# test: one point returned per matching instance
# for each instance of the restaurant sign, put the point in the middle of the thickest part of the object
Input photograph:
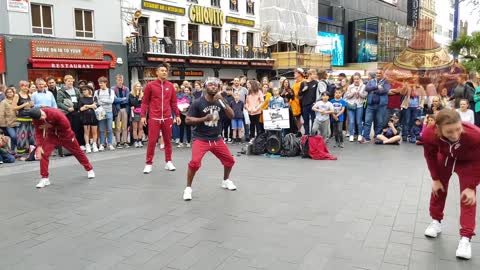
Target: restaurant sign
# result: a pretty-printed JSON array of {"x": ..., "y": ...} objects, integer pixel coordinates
[
  {"x": 188, "y": 73},
  {"x": 64, "y": 50},
  {"x": 240, "y": 21},
  {"x": 163, "y": 8},
  {"x": 206, "y": 15}
]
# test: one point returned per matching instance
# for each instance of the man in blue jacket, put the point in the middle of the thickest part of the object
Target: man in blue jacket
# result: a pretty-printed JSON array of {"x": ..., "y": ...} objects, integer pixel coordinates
[
  {"x": 377, "y": 101},
  {"x": 121, "y": 106}
]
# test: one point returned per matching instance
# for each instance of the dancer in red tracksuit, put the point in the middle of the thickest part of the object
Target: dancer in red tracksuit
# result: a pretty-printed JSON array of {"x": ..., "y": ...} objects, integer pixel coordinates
[
  {"x": 159, "y": 100},
  {"x": 204, "y": 116},
  {"x": 52, "y": 129},
  {"x": 452, "y": 146}
]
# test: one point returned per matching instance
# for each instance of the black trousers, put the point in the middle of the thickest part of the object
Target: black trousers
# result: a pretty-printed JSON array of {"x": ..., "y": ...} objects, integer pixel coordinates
[{"x": 77, "y": 127}]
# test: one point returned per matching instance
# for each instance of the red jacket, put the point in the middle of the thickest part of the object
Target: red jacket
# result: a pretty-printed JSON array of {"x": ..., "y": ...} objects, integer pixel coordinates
[
  {"x": 465, "y": 154},
  {"x": 56, "y": 125},
  {"x": 159, "y": 99}
]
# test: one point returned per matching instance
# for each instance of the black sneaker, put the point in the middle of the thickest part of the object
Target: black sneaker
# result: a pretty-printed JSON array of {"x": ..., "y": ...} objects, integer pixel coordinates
[
  {"x": 378, "y": 142},
  {"x": 119, "y": 146}
]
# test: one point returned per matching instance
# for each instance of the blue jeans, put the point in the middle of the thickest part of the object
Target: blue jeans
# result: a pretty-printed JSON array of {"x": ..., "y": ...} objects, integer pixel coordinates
[
  {"x": 308, "y": 115},
  {"x": 108, "y": 123},
  {"x": 355, "y": 119},
  {"x": 7, "y": 158},
  {"x": 375, "y": 114},
  {"x": 409, "y": 116},
  {"x": 12, "y": 133}
]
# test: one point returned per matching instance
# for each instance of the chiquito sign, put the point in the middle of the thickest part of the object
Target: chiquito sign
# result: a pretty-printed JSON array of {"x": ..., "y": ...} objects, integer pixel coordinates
[{"x": 206, "y": 15}]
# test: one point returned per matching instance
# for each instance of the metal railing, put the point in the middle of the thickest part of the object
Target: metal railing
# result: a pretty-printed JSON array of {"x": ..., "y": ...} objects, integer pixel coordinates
[{"x": 140, "y": 45}]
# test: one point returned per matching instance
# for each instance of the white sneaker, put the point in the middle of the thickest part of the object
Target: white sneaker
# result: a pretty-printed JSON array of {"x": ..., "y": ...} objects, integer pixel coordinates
[
  {"x": 147, "y": 169},
  {"x": 94, "y": 148},
  {"x": 360, "y": 138},
  {"x": 90, "y": 174},
  {"x": 140, "y": 144},
  {"x": 88, "y": 149},
  {"x": 177, "y": 141},
  {"x": 433, "y": 229},
  {"x": 188, "y": 145},
  {"x": 162, "y": 146},
  {"x": 351, "y": 138},
  {"x": 464, "y": 249},
  {"x": 187, "y": 194},
  {"x": 169, "y": 166},
  {"x": 180, "y": 145},
  {"x": 111, "y": 147},
  {"x": 228, "y": 184},
  {"x": 43, "y": 183},
  {"x": 101, "y": 148},
  {"x": 83, "y": 147}
]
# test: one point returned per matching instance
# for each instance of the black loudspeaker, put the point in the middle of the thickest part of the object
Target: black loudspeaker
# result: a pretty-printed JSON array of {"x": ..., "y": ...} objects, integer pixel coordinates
[
  {"x": 167, "y": 41},
  {"x": 274, "y": 142}
]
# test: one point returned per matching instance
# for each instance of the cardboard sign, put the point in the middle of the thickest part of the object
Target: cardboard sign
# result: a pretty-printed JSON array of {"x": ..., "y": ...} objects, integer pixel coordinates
[{"x": 274, "y": 119}]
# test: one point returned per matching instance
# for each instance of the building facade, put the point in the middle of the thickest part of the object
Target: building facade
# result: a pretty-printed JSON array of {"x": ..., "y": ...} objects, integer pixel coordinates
[
  {"x": 44, "y": 38},
  {"x": 199, "y": 38},
  {"x": 444, "y": 22},
  {"x": 427, "y": 10}
]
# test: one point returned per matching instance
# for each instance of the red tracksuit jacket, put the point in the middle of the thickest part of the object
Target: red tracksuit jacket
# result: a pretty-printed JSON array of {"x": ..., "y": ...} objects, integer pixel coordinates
[
  {"x": 464, "y": 154},
  {"x": 159, "y": 99},
  {"x": 56, "y": 124}
]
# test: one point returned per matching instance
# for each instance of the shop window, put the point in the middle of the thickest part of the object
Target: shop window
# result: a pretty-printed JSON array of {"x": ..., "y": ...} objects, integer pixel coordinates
[
  {"x": 215, "y": 3},
  {"x": 250, "y": 7},
  {"x": 234, "y": 5},
  {"x": 83, "y": 23},
  {"x": 42, "y": 20},
  {"x": 438, "y": 29}
]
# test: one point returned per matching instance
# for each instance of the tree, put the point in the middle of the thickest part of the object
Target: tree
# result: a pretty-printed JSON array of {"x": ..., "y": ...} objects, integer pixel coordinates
[{"x": 468, "y": 49}]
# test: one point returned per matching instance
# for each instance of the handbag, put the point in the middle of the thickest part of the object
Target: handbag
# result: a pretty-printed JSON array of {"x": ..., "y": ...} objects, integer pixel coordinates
[
  {"x": 246, "y": 117},
  {"x": 100, "y": 113},
  {"x": 351, "y": 106}
]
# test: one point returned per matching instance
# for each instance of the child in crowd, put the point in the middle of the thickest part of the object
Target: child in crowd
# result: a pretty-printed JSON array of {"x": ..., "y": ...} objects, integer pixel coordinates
[
  {"x": 427, "y": 122},
  {"x": 5, "y": 155},
  {"x": 339, "y": 105},
  {"x": 322, "y": 109},
  {"x": 135, "y": 101},
  {"x": 237, "y": 120},
  {"x": 416, "y": 130},
  {"x": 227, "y": 123},
  {"x": 276, "y": 102},
  {"x": 88, "y": 105},
  {"x": 466, "y": 114},
  {"x": 184, "y": 100},
  {"x": 391, "y": 133}
]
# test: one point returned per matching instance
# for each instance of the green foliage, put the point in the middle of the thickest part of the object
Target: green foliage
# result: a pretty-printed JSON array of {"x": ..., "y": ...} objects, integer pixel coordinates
[{"x": 468, "y": 49}]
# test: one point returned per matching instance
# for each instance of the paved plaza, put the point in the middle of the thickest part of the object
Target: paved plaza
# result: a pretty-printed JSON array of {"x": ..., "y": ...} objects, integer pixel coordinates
[{"x": 368, "y": 210}]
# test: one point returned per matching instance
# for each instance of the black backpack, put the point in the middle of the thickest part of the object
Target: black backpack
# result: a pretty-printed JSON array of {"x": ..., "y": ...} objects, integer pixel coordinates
[
  {"x": 291, "y": 146},
  {"x": 259, "y": 144}
]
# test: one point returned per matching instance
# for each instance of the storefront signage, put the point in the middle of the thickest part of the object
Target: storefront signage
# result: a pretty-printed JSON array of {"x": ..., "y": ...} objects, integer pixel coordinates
[
  {"x": 240, "y": 63},
  {"x": 413, "y": 12},
  {"x": 18, "y": 5},
  {"x": 2, "y": 56},
  {"x": 262, "y": 64},
  {"x": 163, "y": 8},
  {"x": 240, "y": 21},
  {"x": 169, "y": 60},
  {"x": 189, "y": 73},
  {"x": 332, "y": 44},
  {"x": 208, "y": 62},
  {"x": 63, "y": 50},
  {"x": 69, "y": 64},
  {"x": 206, "y": 15}
]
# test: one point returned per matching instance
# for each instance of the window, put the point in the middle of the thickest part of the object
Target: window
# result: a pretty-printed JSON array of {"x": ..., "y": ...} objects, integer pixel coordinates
[
  {"x": 450, "y": 33},
  {"x": 216, "y": 3},
  {"x": 42, "y": 21},
  {"x": 233, "y": 37},
  {"x": 250, "y": 7},
  {"x": 234, "y": 5},
  {"x": 216, "y": 35},
  {"x": 193, "y": 32},
  {"x": 169, "y": 29},
  {"x": 438, "y": 29},
  {"x": 250, "y": 40},
  {"x": 83, "y": 23},
  {"x": 450, "y": 17}
]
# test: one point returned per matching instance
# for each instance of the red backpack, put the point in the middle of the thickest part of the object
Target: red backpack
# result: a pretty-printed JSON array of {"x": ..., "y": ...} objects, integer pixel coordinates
[{"x": 314, "y": 147}]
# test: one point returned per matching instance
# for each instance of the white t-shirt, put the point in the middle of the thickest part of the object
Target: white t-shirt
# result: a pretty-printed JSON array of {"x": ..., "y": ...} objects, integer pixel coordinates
[
  {"x": 323, "y": 106},
  {"x": 467, "y": 116}
]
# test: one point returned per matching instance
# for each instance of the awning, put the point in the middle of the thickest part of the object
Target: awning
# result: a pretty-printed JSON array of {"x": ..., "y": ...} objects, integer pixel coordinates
[{"x": 73, "y": 64}]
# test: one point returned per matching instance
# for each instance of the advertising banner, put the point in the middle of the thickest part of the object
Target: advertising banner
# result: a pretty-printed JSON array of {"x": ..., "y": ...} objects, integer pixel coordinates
[
  {"x": 367, "y": 50},
  {"x": 333, "y": 44}
]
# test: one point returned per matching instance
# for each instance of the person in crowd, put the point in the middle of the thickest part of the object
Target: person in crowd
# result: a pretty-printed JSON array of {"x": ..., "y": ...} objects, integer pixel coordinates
[
  {"x": 32, "y": 88},
  {"x": 286, "y": 92},
  {"x": 276, "y": 102},
  {"x": 355, "y": 97},
  {"x": 445, "y": 99},
  {"x": 463, "y": 91},
  {"x": 377, "y": 101},
  {"x": 436, "y": 106},
  {"x": 430, "y": 92},
  {"x": 267, "y": 95},
  {"x": 391, "y": 133},
  {"x": 322, "y": 83},
  {"x": 2, "y": 92},
  {"x": 122, "y": 93},
  {"x": 227, "y": 123},
  {"x": 52, "y": 86},
  {"x": 81, "y": 83},
  {"x": 308, "y": 96},
  {"x": 343, "y": 86},
  {"x": 253, "y": 104},
  {"x": 299, "y": 76},
  {"x": 204, "y": 115},
  {"x": 416, "y": 131},
  {"x": 91, "y": 84},
  {"x": 411, "y": 106},
  {"x": 52, "y": 128},
  {"x": 21, "y": 104},
  {"x": 198, "y": 91},
  {"x": 42, "y": 97},
  {"x": 239, "y": 86},
  {"x": 339, "y": 106},
  {"x": 453, "y": 146},
  {"x": 89, "y": 120},
  {"x": 8, "y": 116},
  {"x": 237, "y": 120},
  {"x": 176, "y": 128},
  {"x": 184, "y": 102},
  {"x": 323, "y": 109},
  {"x": 395, "y": 98},
  {"x": 466, "y": 114},
  {"x": 429, "y": 121},
  {"x": 476, "y": 98},
  {"x": 265, "y": 80},
  {"x": 105, "y": 98},
  {"x": 5, "y": 150},
  {"x": 159, "y": 100},
  {"x": 135, "y": 101},
  {"x": 68, "y": 98}
]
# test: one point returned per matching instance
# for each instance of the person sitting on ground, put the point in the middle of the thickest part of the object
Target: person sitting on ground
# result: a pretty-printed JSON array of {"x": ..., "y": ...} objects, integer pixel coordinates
[
  {"x": 391, "y": 133},
  {"x": 5, "y": 149},
  {"x": 323, "y": 109},
  {"x": 466, "y": 114},
  {"x": 416, "y": 130}
]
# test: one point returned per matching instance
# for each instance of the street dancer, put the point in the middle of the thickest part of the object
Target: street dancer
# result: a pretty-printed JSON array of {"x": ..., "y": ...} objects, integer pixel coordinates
[
  {"x": 52, "y": 129},
  {"x": 452, "y": 146},
  {"x": 204, "y": 116},
  {"x": 159, "y": 100}
]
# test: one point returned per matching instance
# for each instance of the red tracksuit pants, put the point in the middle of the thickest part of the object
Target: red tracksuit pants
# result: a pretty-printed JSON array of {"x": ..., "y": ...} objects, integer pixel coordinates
[
  {"x": 437, "y": 204},
  {"x": 218, "y": 148},
  {"x": 71, "y": 144},
  {"x": 154, "y": 127}
]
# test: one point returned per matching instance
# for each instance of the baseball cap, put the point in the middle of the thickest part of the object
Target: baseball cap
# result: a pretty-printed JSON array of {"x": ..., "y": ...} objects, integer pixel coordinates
[{"x": 35, "y": 113}]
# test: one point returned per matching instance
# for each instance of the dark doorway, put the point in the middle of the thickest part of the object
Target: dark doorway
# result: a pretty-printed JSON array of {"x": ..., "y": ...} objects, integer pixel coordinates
[
  {"x": 233, "y": 43},
  {"x": 143, "y": 34},
  {"x": 216, "y": 40},
  {"x": 169, "y": 31}
]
